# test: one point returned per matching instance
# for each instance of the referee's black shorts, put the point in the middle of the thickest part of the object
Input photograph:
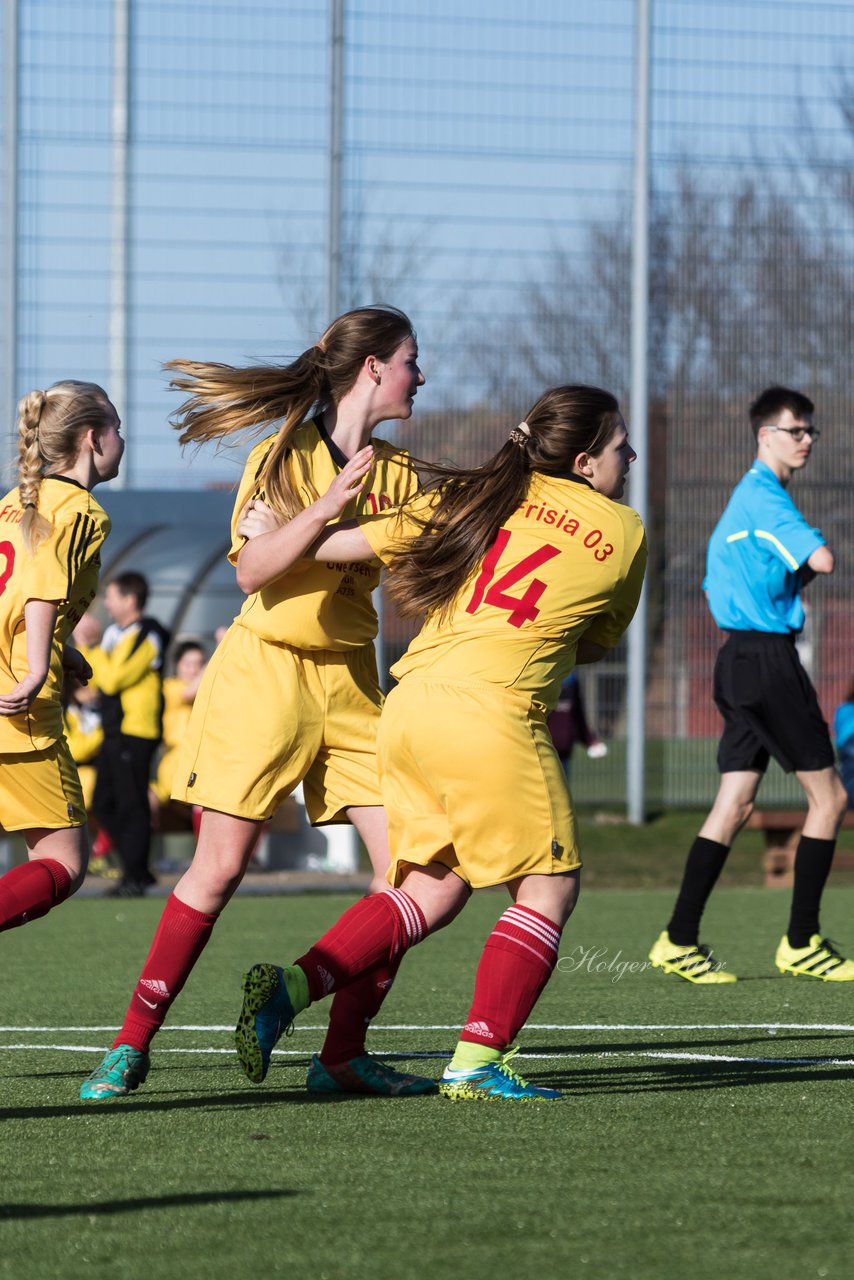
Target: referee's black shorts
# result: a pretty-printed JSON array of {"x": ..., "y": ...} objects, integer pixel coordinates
[{"x": 769, "y": 706}]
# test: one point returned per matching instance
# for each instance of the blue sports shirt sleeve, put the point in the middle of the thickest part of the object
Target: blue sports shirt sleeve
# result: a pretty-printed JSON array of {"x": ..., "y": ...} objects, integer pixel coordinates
[
  {"x": 787, "y": 534},
  {"x": 754, "y": 556}
]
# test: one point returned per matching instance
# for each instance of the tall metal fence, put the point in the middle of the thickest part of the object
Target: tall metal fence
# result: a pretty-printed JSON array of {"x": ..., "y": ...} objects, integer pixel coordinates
[{"x": 170, "y": 169}]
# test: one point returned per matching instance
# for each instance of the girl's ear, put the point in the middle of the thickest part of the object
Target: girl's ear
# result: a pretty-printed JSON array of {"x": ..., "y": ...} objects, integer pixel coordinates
[
  {"x": 582, "y": 465},
  {"x": 89, "y": 440}
]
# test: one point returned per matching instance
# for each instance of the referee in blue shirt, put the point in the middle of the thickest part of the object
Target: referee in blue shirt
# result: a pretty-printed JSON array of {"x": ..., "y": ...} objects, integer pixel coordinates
[{"x": 760, "y": 555}]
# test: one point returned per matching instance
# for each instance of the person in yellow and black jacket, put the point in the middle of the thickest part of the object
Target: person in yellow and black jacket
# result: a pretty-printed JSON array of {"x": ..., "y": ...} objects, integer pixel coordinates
[{"x": 128, "y": 671}]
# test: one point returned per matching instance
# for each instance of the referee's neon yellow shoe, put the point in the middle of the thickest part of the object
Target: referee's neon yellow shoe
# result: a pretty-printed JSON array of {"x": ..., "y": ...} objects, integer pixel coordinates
[
  {"x": 819, "y": 960},
  {"x": 693, "y": 963}
]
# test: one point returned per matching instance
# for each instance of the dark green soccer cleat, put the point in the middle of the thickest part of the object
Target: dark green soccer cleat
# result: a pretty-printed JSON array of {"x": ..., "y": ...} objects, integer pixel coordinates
[{"x": 266, "y": 1015}]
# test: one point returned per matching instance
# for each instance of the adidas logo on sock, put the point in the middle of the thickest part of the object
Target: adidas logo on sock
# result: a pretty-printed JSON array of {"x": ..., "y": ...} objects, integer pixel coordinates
[
  {"x": 479, "y": 1029},
  {"x": 326, "y": 978},
  {"x": 156, "y": 986},
  {"x": 385, "y": 984}
]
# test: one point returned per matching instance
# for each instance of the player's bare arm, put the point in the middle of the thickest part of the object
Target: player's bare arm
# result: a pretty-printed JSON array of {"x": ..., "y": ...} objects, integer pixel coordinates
[
  {"x": 272, "y": 548},
  {"x": 821, "y": 561},
  {"x": 40, "y": 620}
]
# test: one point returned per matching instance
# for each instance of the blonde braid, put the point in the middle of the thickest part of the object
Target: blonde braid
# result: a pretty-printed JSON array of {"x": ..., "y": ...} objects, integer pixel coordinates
[{"x": 34, "y": 527}]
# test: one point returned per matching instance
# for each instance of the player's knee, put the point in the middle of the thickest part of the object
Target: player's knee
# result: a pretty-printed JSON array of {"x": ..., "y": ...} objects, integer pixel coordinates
[
  {"x": 224, "y": 881},
  {"x": 840, "y": 800},
  {"x": 76, "y": 879}
]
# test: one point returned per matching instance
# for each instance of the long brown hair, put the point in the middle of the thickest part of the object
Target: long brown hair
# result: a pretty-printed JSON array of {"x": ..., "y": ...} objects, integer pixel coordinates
[
  {"x": 224, "y": 399},
  {"x": 428, "y": 571},
  {"x": 50, "y": 426}
]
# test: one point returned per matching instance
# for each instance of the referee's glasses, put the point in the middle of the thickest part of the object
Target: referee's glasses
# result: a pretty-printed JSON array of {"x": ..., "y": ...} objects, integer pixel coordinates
[{"x": 797, "y": 433}]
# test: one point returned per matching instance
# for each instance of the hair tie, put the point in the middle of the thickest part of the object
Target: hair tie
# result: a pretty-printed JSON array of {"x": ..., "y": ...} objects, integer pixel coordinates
[{"x": 521, "y": 435}]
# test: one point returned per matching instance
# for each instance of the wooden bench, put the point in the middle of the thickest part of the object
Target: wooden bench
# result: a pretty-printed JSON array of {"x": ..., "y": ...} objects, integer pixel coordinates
[{"x": 782, "y": 828}]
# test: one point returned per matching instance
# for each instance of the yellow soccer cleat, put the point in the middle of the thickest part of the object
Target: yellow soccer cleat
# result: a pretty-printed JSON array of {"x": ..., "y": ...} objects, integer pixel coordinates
[
  {"x": 819, "y": 960},
  {"x": 693, "y": 963}
]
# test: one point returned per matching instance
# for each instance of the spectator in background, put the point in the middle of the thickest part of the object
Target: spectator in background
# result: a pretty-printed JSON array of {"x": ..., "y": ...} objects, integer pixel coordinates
[
  {"x": 568, "y": 724},
  {"x": 127, "y": 670},
  {"x": 81, "y": 722},
  {"x": 843, "y": 733},
  {"x": 179, "y": 694}
]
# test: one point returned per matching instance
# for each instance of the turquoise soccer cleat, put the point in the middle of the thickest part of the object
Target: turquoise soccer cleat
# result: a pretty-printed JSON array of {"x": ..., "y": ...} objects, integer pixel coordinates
[
  {"x": 365, "y": 1074},
  {"x": 266, "y": 1015},
  {"x": 122, "y": 1070},
  {"x": 494, "y": 1082}
]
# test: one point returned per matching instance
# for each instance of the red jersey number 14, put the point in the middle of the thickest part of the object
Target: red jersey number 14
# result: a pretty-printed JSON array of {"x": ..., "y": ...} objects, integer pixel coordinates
[
  {"x": 7, "y": 564},
  {"x": 520, "y": 608}
]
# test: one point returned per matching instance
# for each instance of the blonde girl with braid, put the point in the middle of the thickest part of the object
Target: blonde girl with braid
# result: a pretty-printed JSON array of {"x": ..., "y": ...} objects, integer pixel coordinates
[
  {"x": 51, "y": 531},
  {"x": 291, "y": 694},
  {"x": 524, "y": 567}
]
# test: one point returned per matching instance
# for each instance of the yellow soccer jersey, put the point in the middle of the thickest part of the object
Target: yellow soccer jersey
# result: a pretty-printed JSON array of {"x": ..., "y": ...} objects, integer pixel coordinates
[
  {"x": 568, "y": 563},
  {"x": 65, "y": 569},
  {"x": 176, "y": 718},
  {"x": 176, "y": 711},
  {"x": 315, "y": 605},
  {"x": 83, "y": 732}
]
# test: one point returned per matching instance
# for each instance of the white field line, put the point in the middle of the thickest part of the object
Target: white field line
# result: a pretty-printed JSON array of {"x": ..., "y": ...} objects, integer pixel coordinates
[
  {"x": 529, "y": 1026},
  {"x": 660, "y": 1055}
]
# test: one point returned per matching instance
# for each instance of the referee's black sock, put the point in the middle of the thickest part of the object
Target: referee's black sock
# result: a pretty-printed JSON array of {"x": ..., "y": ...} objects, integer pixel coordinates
[
  {"x": 704, "y": 865},
  {"x": 812, "y": 867}
]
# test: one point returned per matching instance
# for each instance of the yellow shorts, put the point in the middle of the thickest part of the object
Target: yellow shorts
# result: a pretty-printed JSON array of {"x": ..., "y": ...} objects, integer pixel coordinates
[
  {"x": 268, "y": 716},
  {"x": 40, "y": 789},
  {"x": 470, "y": 778}
]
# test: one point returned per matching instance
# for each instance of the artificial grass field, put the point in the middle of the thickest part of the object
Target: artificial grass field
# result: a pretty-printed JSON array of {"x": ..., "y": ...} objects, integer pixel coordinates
[{"x": 704, "y": 1132}]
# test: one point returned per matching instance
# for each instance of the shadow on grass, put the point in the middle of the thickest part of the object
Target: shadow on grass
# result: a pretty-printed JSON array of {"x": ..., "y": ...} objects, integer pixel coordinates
[
  {"x": 95, "y": 1207},
  {"x": 117, "y": 1107},
  {"x": 682, "y": 1077},
  {"x": 654, "y": 1075},
  {"x": 709, "y": 1044}
]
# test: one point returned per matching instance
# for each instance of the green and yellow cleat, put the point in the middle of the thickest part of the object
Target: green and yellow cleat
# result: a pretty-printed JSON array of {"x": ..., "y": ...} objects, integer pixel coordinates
[
  {"x": 266, "y": 1015},
  {"x": 819, "y": 960},
  {"x": 693, "y": 963},
  {"x": 493, "y": 1082}
]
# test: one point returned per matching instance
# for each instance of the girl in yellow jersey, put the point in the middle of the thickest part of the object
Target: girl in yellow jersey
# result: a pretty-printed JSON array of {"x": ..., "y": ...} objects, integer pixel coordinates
[
  {"x": 179, "y": 694},
  {"x": 51, "y": 531},
  {"x": 523, "y": 567},
  {"x": 291, "y": 694}
]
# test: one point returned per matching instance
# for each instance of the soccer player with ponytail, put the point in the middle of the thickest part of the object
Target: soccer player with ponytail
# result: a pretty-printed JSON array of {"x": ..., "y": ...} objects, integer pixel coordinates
[
  {"x": 51, "y": 531},
  {"x": 523, "y": 567},
  {"x": 291, "y": 694}
]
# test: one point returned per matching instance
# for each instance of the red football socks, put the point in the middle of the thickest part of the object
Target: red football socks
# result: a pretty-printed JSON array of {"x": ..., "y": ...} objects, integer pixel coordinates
[
  {"x": 180, "y": 939},
  {"x": 516, "y": 963},
  {"x": 375, "y": 931},
  {"x": 353, "y": 1009},
  {"x": 31, "y": 890}
]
